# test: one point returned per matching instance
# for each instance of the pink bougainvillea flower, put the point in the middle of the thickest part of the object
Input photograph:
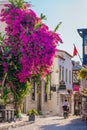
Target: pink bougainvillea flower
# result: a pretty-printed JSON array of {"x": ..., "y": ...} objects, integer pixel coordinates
[
  {"x": 5, "y": 64},
  {"x": 30, "y": 42}
]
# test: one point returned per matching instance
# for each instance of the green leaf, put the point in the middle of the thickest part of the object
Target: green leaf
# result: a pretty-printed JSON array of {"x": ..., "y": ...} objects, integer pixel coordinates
[
  {"x": 83, "y": 73},
  {"x": 43, "y": 17},
  {"x": 57, "y": 27},
  {"x": 37, "y": 26},
  {"x": 2, "y": 37},
  {"x": 12, "y": 2},
  {"x": 17, "y": 3},
  {"x": 5, "y": 92}
]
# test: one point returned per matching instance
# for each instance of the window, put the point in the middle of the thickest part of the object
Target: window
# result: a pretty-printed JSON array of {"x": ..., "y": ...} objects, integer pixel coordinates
[
  {"x": 60, "y": 72},
  {"x": 85, "y": 40},
  {"x": 85, "y": 44},
  {"x": 33, "y": 91},
  {"x": 85, "y": 49},
  {"x": 69, "y": 76},
  {"x": 66, "y": 75}
]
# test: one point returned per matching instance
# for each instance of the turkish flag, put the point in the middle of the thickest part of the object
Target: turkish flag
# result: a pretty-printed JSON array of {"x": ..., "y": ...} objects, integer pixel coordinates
[{"x": 75, "y": 51}]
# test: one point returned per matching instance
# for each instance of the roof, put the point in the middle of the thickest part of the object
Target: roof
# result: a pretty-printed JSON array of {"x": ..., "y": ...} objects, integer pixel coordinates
[
  {"x": 65, "y": 52},
  {"x": 60, "y": 57},
  {"x": 81, "y": 31},
  {"x": 78, "y": 67}
]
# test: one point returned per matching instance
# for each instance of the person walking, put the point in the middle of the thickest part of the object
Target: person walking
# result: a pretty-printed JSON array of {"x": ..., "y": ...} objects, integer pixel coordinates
[
  {"x": 66, "y": 103},
  {"x": 65, "y": 108}
]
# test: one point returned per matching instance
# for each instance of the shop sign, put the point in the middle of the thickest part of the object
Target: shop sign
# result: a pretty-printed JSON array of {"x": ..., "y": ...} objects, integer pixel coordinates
[
  {"x": 62, "y": 85},
  {"x": 76, "y": 88},
  {"x": 53, "y": 88}
]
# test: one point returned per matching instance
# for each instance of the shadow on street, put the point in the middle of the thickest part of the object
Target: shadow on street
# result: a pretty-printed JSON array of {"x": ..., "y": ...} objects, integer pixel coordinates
[{"x": 72, "y": 124}]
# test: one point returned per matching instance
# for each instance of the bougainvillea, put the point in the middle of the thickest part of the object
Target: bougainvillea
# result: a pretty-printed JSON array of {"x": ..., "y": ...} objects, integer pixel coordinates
[{"x": 31, "y": 45}]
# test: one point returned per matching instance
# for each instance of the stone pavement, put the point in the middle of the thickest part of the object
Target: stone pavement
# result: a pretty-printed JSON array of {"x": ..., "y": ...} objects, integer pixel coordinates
[
  {"x": 50, "y": 123},
  {"x": 17, "y": 123}
]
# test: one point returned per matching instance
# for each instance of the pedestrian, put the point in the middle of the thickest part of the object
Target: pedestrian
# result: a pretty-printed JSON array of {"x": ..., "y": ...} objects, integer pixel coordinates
[
  {"x": 66, "y": 103},
  {"x": 65, "y": 108}
]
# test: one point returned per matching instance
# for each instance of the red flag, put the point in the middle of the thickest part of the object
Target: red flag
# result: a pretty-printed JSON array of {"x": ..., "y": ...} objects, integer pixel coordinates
[{"x": 75, "y": 51}]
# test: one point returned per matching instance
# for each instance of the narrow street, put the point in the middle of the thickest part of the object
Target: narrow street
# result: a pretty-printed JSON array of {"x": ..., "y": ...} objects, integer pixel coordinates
[{"x": 55, "y": 123}]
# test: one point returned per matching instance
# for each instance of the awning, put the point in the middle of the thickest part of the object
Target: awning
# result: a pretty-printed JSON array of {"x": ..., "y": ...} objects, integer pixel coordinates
[
  {"x": 62, "y": 87},
  {"x": 64, "y": 93},
  {"x": 76, "y": 88}
]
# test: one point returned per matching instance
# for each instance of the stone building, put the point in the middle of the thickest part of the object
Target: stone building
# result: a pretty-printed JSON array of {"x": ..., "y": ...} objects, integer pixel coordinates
[
  {"x": 64, "y": 82},
  {"x": 60, "y": 88}
]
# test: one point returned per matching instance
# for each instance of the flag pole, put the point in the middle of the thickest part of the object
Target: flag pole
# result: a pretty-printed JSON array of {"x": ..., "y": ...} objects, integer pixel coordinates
[{"x": 78, "y": 54}]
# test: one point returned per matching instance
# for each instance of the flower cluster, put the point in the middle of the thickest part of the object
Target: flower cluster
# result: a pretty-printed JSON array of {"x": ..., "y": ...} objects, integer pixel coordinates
[{"x": 30, "y": 42}]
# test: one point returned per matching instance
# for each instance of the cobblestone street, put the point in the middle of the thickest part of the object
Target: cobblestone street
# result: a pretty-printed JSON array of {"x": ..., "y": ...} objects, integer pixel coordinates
[{"x": 55, "y": 123}]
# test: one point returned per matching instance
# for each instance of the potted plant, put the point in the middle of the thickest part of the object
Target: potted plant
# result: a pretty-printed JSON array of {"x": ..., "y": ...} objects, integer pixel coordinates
[{"x": 31, "y": 113}]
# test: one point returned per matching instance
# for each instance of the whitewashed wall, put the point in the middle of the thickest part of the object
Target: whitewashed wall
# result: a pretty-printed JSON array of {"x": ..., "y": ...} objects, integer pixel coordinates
[{"x": 2, "y": 24}]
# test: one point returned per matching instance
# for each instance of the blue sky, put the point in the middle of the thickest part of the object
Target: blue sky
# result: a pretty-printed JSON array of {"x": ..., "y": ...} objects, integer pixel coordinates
[{"x": 72, "y": 13}]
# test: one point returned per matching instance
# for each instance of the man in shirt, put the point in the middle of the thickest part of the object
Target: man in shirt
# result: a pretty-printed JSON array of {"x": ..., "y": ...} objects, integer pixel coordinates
[{"x": 65, "y": 105}]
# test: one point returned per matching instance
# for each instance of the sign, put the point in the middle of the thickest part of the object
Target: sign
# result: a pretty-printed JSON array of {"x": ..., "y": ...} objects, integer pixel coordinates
[
  {"x": 76, "y": 88},
  {"x": 62, "y": 82},
  {"x": 53, "y": 88},
  {"x": 62, "y": 85}
]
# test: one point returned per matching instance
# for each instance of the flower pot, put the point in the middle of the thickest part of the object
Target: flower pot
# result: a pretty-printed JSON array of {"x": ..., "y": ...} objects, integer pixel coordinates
[{"x": 32, "y": 117}]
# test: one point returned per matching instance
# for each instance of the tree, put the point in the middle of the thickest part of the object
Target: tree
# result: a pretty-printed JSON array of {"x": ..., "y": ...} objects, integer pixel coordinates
[
  {"x": 83, "y": 73},
  {"x": 28, "y": 49}
]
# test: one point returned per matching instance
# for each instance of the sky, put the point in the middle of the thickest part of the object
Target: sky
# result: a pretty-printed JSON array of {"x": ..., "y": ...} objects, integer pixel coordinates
[{"x": 72, "y": 14}]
